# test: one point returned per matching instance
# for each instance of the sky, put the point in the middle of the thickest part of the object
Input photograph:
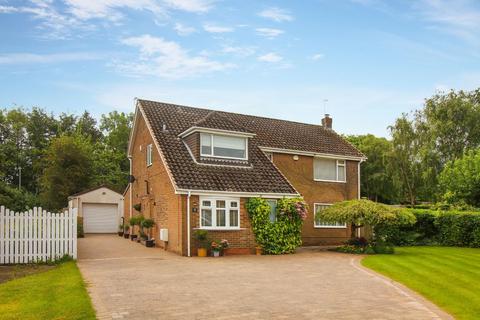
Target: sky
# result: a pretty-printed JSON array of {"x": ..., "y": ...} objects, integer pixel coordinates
[{"x": 365, "y": 62}]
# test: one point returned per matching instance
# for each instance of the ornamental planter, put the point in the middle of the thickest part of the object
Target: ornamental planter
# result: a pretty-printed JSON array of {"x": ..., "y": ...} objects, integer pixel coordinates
[
  {"x": 202, "y": 252},
  {"x": 120, "y": 233},
  {"x": 216, "y": 254},
  {"x": 150, "y": 243},
  {"x": 133, "y": 237},
  {"x": 258, "y": 251},
  {"x": 126, "y": 235}
]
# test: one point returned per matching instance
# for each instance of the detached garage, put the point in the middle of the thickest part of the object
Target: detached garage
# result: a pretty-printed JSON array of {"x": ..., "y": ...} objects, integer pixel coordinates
[{"x": 101, "y": 209}]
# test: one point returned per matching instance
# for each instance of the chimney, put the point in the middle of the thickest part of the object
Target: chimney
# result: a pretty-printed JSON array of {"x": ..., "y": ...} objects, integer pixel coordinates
[{"x": 327, "y": 122}]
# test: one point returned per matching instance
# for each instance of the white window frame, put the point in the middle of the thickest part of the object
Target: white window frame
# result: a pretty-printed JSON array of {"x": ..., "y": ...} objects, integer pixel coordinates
[
  {"x": 149, "y": 155},
  {"x": 212, "y": 146},
  {"x": 213, "y": 207},
  {"x": 340, "y": 165},
  {"x": 325, "y": 226}
]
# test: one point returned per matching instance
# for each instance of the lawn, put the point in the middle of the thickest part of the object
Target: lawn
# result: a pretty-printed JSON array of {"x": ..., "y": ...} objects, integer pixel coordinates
[
  {"x": 449, "y": 277},
  {"x": 55, "y": 294}
]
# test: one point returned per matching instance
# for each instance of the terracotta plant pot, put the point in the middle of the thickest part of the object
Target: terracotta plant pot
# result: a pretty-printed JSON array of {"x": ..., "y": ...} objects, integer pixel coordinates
[
  {"x": 202, "y": 252},
  {"x": 258, "y": 251}
]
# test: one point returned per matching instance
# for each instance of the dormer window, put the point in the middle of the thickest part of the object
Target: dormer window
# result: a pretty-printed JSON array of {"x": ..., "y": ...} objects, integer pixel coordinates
[{"x": 223, "y": 146}]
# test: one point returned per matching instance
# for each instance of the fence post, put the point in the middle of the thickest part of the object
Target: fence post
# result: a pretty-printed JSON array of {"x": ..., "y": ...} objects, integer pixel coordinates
[
  {"x": 74, "y": 232},
  {"x": 2, "y": 234}
]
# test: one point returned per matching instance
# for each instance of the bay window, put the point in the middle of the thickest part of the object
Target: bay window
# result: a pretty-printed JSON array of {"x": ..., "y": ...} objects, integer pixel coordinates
[
  {"x": 219, "y": 213},
  {"x": 325, "y": 169},
  {"x": 223, "y": 146}
]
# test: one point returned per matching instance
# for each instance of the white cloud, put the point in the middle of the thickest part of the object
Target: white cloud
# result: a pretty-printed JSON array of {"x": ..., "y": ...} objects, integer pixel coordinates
[
  {"x": 166, "y": 59},
  {"x": 183, "y": 30},
  {"x": 269, "y": 32},
  {"x": 26, "y": 58},
  {"x": 239, "y": 51},
  {"x": 197, "y": 6},
  {"x": 458, "y": 18},
  {"x": 212, "y": 28},
  {"x": 271, "y": 57},
  {"x": 59, "y": 21},
  {"x": 276, "y": 14},
  {"x": 318, "y": 56}
]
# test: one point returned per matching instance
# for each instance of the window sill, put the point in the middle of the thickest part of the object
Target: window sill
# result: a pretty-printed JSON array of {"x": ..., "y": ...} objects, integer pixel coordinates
[
  {"x": 219, "y": 229},
  {"x": 334, "y": 181}
]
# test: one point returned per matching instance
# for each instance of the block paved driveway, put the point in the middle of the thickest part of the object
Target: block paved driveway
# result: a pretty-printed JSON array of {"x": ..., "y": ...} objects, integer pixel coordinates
[{"x": 128, "y": 281}]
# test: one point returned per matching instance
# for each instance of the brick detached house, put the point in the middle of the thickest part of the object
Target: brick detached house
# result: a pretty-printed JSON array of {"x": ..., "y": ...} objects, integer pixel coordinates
[{"x": 195, "y": 168}]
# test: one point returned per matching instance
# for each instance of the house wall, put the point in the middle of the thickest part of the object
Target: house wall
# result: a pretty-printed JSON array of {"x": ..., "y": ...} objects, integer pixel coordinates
[
  {"x": 159, "y": 202},
  {"x": 241, "y": 241},
  {"x": 193, "y": 142},
  {"x": 300, "y": 174}
]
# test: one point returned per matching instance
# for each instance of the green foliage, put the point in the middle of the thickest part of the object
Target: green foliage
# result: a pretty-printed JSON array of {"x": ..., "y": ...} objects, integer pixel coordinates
[
  {"x": 460, "y": 179},
  {"x": 69, "y": 161},
  {"x": 447, "y": 228},
  {"x": 147, "y": 223},
  {"x": 377, "y": 181},
  {"x": 201, "y": 237},
  {"x": 358, "y": 213},
  {"x": 137, "y": 207},
  {"x": 80, "y": 231},
  {"x": 15, "y": 199},
  {"x": 26, "y": 139},
  {"x": 283, "y": 235}
]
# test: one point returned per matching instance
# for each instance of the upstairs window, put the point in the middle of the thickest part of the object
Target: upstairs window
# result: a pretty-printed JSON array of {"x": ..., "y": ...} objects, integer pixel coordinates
[
  {"x": 149, "y": 155},
  {"x": 329, "y": 170},
  {"x": 220, "y": 146}
]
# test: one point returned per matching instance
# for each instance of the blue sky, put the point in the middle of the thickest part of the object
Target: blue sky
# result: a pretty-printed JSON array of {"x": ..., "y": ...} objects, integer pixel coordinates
[{"x": 372, "y": 60}]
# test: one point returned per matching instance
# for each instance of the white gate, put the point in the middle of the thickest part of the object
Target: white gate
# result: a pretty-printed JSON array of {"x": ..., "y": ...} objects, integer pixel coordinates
[{"x": 37, "y": 235}]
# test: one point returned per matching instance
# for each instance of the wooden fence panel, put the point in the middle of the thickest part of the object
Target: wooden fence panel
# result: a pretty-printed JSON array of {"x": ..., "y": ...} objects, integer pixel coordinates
[{"x": 37, "y": 235}]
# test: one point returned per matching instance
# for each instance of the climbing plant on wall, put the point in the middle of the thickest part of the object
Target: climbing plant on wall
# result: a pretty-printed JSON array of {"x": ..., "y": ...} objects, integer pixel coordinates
[{"x": 282, "y": 235}]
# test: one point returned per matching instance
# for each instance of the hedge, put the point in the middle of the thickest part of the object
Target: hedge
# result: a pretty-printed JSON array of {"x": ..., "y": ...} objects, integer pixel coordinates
[{"x": 446, "y": 228}]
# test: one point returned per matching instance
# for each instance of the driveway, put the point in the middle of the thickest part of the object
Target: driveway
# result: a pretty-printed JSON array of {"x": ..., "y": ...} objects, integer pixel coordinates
[{"x": 129, "y": 281}]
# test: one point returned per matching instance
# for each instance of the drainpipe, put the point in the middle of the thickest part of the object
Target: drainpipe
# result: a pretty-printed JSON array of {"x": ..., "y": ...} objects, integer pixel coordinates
[
  {"x": 131, "y": 186},
  {"x": 188, "y": 224},
  {"x": 359, "y": 232}
]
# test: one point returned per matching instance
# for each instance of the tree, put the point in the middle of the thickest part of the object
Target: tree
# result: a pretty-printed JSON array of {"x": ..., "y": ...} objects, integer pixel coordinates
[
  {"x": 359, "y": 213},
  {"x": 87, "y": 127},
  {"x": 69, "y": 170},
  {"x": 376, "y": 177},
  {"x": 460, "y": 179},
  {"x": 405, "y": 160}
]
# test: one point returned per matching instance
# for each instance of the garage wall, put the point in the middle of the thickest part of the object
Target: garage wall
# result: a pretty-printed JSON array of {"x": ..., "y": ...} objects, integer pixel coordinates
[{"x": 101, "y": 195}]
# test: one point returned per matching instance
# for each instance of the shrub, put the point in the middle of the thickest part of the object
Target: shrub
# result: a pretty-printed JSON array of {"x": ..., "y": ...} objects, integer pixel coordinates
[
  {"x": 201, "y": 237},
  {"x": 283, "y": 235},
  {"x": 80, "y": 233},
  {"x": 460, "y": 229}
]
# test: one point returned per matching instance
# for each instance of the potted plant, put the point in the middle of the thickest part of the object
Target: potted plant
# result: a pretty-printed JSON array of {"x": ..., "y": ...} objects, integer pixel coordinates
[
  {"x": 225, "y": 245},
  {"x": 126, "y": 233},
  {"x": 141, "y": 234},
  {"x": 120, "y": 230},
  {"x": 133, "y": 222},
  {"x": 216, "y": 248},
  {"x": 201, "y": 237},
  {"x": 258, "y": 250},
  {"x": 148, "y": 225}
]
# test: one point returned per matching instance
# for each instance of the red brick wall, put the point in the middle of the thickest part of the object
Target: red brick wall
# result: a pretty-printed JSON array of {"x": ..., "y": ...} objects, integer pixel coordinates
[
  {"x": 193, "y": 142},
  {"x": 241, "y": 241},
  {"x": 300, "y": 174},
  {"x": 160, "y": 202}
]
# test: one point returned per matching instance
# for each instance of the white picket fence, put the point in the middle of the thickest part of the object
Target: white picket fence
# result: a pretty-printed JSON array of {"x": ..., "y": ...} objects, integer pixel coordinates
[{"x": 37, "y": 235}]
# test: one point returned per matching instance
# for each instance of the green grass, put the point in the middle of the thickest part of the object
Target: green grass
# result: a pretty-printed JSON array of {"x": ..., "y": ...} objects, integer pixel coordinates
[
  {"x": 55, "y": 294},
  {"x": 449, "y": 277}
]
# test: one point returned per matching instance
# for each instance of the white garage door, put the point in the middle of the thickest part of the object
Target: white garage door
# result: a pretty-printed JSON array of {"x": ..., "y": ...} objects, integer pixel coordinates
[{"x": 100, "y": 218}]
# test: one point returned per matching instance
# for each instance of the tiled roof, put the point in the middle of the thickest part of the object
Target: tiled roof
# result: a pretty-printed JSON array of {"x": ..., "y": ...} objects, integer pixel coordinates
[{"x": 261, "y": 176}]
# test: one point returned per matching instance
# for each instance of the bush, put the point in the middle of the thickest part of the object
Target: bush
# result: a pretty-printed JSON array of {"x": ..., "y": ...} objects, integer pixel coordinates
[
  {"x": 80, "y": 233},
  {"x": 283, "y": 235},
  {"x": 447, "y": 228}
]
